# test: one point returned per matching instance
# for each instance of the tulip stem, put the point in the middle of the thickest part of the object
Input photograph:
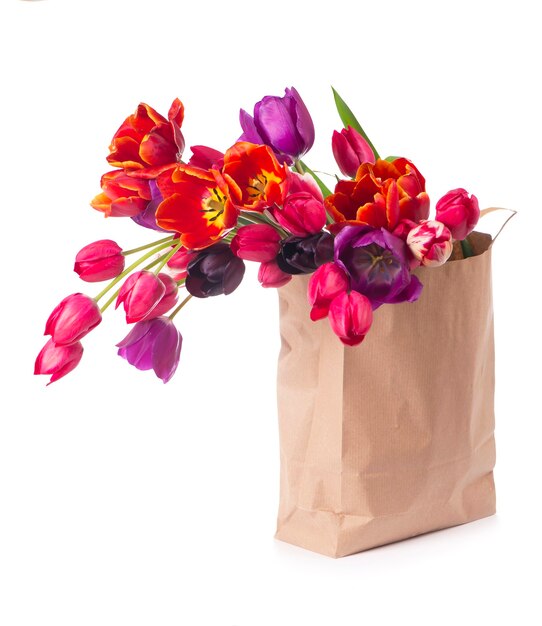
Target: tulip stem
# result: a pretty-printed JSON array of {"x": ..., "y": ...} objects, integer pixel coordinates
[
  {"x": 166, "y": 257},
  {"x": 154, "y": 250},
  {"x": 146, "y": 246},
  {"x": 180, "y": 306},
  {"x": 111, "y": 300},
  {"x": 299, "y": 167}
]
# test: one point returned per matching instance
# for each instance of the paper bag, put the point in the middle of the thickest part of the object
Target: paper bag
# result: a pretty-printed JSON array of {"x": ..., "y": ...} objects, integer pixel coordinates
[{"x": 394, "y": 437}]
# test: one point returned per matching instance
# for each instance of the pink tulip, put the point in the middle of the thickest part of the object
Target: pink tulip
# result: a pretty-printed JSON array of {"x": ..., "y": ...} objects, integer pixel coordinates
[
  {"x": 270, "y": 275},
  {"x": 72, "y": 319},
  {"x": 140, "y": 294},
  {"x": 327, "y": 282},
  {"x": 430, "y": 242},
  {"x": 351, "y": 316},
  {"x": 459, "y": 212},
  {"x": 304, "y": 183},
  {"x": 58, "y": 360},
  {"x": 350, "y": 150},
  {"x": 178, "y": 263},
  {"x": 258, "y": 242},
  {"x": 302, "y": 214},
  {"x": 98, "y": 261},
  {"x": 168, "y": 300}
]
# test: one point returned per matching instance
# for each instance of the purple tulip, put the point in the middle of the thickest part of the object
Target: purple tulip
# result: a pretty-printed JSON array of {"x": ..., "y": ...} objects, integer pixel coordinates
[
  {"x": 214, "y": 271},
  {"x": 153, "y": 344},
  {"x": 378, "y": 265},
  {"x": 147, "y": 217},
  {"x": 284, "y": 124}
]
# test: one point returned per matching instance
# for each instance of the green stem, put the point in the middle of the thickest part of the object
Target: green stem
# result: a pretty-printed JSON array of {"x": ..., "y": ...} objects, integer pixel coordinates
[
  {"x": 148, "y": 245},
  {"x": 165, "y": 258},
  {"x": 466, "y": 248},
  {"x": 180, "y": 307},
  {"x": 132, "y": 267},
  {"x": 299, "y": 167}
]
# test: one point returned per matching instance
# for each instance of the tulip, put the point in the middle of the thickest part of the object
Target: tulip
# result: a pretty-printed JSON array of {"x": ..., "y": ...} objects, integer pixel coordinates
[
  {"x": 168, "y": 300},
  {"x": 302, "y": 214},
  {"x": 206, "y": 158},
  {"x": 178, "y": 263},
  {"x": 58, "y": 360},
  {"x": 431, "y": 243},
  {"x": 140, "y": 294},
  {"x": 255, "y": 179},
  {"x": 377, "y": 264},
  {"x": 259, "y": 242},
  {"x": 284, "y": 124},
  {"x": 302, "y": 255},
  {"x": 72, "y": 319},
  {"x": 153, "y": 344},
  {"x": 147, "y": 217},
  {"x": 270, "y": 275},
  {"x": 147, "y": 142},
  {"x": 381, "y": 195},
  {"x": 98, "y": 261},
  {"x": 122, "y": 195},
  {"x": 459, "y": 212},
  {"x": 327, "y": 282},
  {"x": 215, "y": 271},
  {"x": 350, "y": 150},
  {"x": 304, "y": 183},
  {"x": 351, "y": 316}
]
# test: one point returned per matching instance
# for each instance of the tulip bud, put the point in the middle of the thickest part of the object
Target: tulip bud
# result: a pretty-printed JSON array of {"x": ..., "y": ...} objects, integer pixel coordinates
[
  {"x": 350, "y": 150},
  {"x": 259, "y": 242},
  {"x": 430, "y": 242},
  {"x": 168, "y": 300},
  {"x": 302, "y": 214},
  {"x": 351, "y": 316},
  {"x": 98, "y": 261},
  {"x": 177, "y": 264},
  {"x": 327, "y": 282},
  {"x": 459, "y": 212},
  {"x": 270, "y": 275},
  {"x": 302, "y": 255},
  {"x": 58, "y": 360},
  {"x": 72, "y": 319},
  {"x": 140, "y": 294},
  {"x": 214, "y": 271},
  {"x": 153, "y": 344}
]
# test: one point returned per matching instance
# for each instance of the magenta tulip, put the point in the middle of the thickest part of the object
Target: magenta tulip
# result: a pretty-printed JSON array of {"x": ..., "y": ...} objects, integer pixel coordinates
[
  {"x": 98, "y": 261},
  {"x": 178, "y": 264},
  {"x": 430, "y": 243},
  {"x": 168, "y": 300},
  {"x": 72, "y": 319},
  {"x": 258, "y": 242},
  {"x": 327, "y": 282},
  {"x": 350, "y": 150},
  {"x": 270, "y": 275},
  {"x": 140, "y": 294},
  {"x": 153, "y": 344},
  {"x": 301, "y": 215},
  {"x": 351, "y": 316},
  {"x": 58, "y": 360},
  {"x": 459, "y": 212}
]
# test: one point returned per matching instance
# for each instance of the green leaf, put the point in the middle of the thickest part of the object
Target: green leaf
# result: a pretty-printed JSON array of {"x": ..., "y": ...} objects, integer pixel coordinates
[
  {"x": 466, "y": 248},
  {"x": 325, "y": 191},
  {"x": 349, "y": 119}
]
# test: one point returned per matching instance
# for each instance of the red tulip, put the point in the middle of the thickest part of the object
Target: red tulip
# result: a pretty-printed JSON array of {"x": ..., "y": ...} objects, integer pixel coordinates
[
  {"x": 259, "y": 242},
  {"x": 459, "y": 212},
  {"x": 270, "y": 275},
  {"x": 58, "y": 360},
  {"x": 122, "y": 195},
  {"x": 350, "y": 150},
  {"x": 140, "y": 294},
  {"x": 430, "y": 242},
  {"x": 98, "y": 261},
  {"x": 327, "y": 282},
  {"x": 351, "y": 316},
  {"x": 72, "y": 319}
]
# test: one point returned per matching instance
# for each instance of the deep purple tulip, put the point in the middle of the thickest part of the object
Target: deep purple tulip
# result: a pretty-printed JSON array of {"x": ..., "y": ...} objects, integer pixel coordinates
[
  {"x": 284, "y": 124},
  {"x": 302, "y": 255},
  {"x": 153, "y": 344},
  {"x": 214, "y": 271},
  {"x": 377, "y": 263},
  {"x": 147, "y": 217}
]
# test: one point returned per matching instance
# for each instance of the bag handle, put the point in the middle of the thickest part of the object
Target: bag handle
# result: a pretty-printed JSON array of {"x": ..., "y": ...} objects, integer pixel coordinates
[{"x": 497, "y": 208}]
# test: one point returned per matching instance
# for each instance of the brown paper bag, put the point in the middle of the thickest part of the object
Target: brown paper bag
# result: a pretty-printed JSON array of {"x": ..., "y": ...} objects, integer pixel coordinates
[{"x": 392, "y": 438}]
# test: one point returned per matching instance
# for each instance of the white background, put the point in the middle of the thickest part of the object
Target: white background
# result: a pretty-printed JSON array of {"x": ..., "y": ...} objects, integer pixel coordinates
[{"x": 124, "y": 501}]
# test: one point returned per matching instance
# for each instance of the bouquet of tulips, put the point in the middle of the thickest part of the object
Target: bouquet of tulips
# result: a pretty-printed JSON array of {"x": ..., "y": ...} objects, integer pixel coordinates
[{"x": 257, "y": 201}]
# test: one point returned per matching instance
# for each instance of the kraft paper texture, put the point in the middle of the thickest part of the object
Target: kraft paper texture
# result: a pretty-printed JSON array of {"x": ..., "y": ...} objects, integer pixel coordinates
[{"x": 392, "y": 438}]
